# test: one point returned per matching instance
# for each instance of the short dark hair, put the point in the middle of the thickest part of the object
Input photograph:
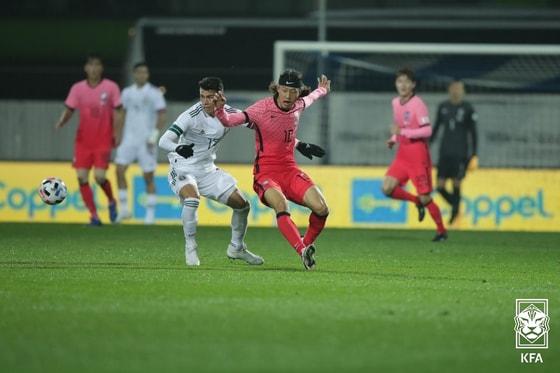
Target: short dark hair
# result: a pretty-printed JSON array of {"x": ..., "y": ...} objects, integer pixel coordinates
[
  {"x": 94, "y": 56},
  {"x": 139, "y": 64},
  {"x": 408, "y": 72},
  {"x": 211, "y": 83}
]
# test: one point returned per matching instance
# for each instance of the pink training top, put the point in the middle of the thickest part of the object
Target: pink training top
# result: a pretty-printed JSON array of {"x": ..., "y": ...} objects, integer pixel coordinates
[
  {"x": 275, "y": 129},
  {"x": 95, "y": 105},
  {"x": 414, "y": 121}
]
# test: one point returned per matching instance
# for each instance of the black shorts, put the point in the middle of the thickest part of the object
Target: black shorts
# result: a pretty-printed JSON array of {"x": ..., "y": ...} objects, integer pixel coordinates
[{"x": 451, "y": 167}]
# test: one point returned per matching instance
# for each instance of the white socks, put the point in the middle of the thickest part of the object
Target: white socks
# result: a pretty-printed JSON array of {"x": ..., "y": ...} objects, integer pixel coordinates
[
  {"x": 151, "y": 201},
  {"x": 123, "y": 202},
  {"x": 239, "y": 225},
  {"x": 190, "y": 220}
]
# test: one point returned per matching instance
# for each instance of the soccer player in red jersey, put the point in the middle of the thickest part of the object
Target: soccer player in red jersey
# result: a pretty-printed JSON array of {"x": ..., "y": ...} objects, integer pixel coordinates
[
  {"x": 411, "y": 129},
  {"x": 277, "y": 177},
  {"x": 99, "y": 102}
]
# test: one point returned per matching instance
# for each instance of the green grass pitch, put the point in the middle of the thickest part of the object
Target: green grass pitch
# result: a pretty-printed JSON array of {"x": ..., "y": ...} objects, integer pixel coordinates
[{"x": 120, "y": 299}]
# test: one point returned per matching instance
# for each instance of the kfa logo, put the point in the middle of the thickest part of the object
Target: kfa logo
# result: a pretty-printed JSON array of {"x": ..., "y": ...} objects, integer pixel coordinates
[{"x": 531, "y": 327}]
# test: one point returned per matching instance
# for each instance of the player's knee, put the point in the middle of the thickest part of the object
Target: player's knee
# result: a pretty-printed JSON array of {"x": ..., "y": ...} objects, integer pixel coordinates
[
  {"x": 387, "y": 189},
  {"x": 424, "y": 199},
  {"x": 100, "y": 180},
  {"x": 323, "y": 211},
  {"x": 245, "y": 206},
  {"x": 82, "y": 180},
  {"x": 281, "y": 207}
]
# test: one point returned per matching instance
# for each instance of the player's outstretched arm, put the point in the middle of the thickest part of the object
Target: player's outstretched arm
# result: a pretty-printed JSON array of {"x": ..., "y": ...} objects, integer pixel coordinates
[
  {"x": 169, "y": 142},
  {"x": 391, "y": 141},
  {"x": 323, "y": 87},
  {"x": 227, "y": 119},
  {"x": 64, "y": 118},
  {"x": 118, "y": 124},
  {"x": 324, "y": 82}
]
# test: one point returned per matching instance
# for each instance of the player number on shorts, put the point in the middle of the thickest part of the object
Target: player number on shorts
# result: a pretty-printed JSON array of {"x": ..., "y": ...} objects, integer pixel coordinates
[{"x": 288, "y": 135}]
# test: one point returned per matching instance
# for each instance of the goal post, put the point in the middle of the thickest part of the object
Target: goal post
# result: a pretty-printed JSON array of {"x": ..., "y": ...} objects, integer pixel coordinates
[{"x": 514, "y": 88}]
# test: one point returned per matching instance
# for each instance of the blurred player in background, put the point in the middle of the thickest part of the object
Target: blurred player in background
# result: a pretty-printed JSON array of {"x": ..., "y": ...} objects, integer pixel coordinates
[
  {"x": 411, "y": 129},
  {"x": 458, "y": 145},
  {"x": 192, "y": 143},
  {"x": 144, "y": 119},
  {"x": 99, "y": 102},
  {"x": 277, "y": 177}
]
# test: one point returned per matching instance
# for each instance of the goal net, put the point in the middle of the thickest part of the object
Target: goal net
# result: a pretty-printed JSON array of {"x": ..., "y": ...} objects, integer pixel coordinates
[{"x": 515, "y": 90}]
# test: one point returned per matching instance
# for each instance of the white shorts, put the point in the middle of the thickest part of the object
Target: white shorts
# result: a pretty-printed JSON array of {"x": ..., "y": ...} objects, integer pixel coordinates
[
  {"x": 146, "y": 156},
  {"x": 215, "y": 184}
]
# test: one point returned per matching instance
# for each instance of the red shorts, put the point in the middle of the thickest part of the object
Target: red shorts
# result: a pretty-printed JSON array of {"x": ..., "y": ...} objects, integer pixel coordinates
[
  {"x": 292, "y": 182},
  {"x": 420, "y": 173},
  {"x": 87, "y": 158}
]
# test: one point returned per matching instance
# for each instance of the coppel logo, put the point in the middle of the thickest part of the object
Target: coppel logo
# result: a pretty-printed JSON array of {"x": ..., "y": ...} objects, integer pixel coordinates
[
  {"x": 27, "y": 199},
  {"x": 370, "y": 205},
  {"x": 504, "y": 207},
  {"x": 168, "y": 206}
]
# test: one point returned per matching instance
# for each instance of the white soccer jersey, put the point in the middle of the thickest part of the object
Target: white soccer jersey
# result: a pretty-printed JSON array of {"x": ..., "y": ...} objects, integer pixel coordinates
[
  {"x": 195, "y": 126},
  {"x": 142, "y": 105}
]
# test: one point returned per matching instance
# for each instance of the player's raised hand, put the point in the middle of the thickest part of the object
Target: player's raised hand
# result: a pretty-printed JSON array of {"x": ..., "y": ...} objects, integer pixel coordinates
[
  {"x": 324, "y": 82},
  {"x": 185, "y": 151},
  {"x": 390, "y": 143},
  {"x": 219, "y": 99}
]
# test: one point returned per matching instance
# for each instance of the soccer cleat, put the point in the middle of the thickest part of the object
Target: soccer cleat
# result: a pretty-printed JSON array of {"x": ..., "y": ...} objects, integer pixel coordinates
[
  {"x": 94, "y": 222},
  {"x": 421, "y": 211},
  {"x": 440, "y": 237},
  {"x": 308, "y": 257},
  {"x": 113, "y": 211},
  {"x": 123, "y": 215},
  {"x": 234, "y": 252},
  {"x": 191, "y": 256}
]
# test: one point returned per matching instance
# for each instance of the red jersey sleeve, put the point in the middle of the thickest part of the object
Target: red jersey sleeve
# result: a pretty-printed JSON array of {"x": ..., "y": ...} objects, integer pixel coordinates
[
  {"x": 72, "y": 101},
  {"x": 422, "y": 114}
]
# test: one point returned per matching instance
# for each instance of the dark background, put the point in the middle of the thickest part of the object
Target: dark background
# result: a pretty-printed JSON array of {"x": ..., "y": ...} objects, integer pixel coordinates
[{"x": 43, "y": 43}]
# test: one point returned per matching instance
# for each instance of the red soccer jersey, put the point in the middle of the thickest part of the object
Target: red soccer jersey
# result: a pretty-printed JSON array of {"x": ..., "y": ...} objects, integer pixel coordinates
[
  {"x": 412, "y": 117},
  {"x": 276, "y": 130},
  {"x": 95, "y": 104}
]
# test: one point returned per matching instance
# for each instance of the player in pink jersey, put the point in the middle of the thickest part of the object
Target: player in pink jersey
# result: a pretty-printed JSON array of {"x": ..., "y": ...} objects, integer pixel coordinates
[
  {"x": 411, "y": 129},
  {"x": 277, "y": 177},
  {"x": 99, "y": 103}
]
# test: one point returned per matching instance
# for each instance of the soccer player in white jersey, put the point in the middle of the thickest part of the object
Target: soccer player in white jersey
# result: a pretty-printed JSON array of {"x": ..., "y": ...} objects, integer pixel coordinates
[
  {"x": 145, "y": 118},
  {"x": 191, "y": 142}
]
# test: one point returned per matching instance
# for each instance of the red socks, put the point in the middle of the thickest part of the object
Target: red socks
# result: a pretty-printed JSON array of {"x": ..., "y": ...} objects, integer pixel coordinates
[
  {"x": 106, "y": 186},
  {"x": 290, "y": 231},
  {"x": 316, "y": 225},
  {"x": 433, "y": 209},
  {"x": 400, "y": 193},
  {"x": 436, "y": 216},
  {"x": 87, "y": 196}
]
